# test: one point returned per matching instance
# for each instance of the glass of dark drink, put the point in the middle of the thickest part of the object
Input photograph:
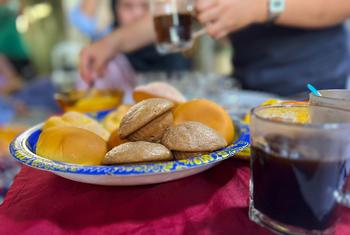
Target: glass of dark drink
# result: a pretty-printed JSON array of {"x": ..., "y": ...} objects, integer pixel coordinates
[
  {"x": 332, "y": 98},
  {"x": 299, "y": 168},
  {"x": 174, "y": 23}
]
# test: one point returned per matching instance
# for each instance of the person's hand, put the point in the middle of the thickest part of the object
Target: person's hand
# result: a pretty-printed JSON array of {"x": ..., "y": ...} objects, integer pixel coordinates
[
  {"x": 94, "y": 59},
  {"x": 224, "y": 16}
]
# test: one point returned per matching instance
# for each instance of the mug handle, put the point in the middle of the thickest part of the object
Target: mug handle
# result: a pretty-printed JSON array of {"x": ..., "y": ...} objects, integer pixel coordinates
[
  {"x": 195, "y": 35},
  {"x": 199, "y": 33}
]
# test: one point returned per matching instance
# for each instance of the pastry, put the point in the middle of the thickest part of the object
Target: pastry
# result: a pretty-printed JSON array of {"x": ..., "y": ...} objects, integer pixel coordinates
[
  {"x": 190, "y": 139},
  {"x": 147, "y": 120},
  {"x": 112, "y": 121},
  {"x": 158, "y": 90},
  {"x": 72, "y": 145},
  {"x": 208, "y": 113},
  {"x": 115, "y": 140},
  {"x": 139, "y": 151},
  {"x": 79, "y": 120}
]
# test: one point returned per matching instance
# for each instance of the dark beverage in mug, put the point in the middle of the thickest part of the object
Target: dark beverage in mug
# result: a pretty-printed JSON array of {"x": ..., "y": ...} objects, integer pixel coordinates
[
  {"x": 173, "y": 28},
  {"x": 173, "y": 24},
  {"x": 299, "y": 168},
  {"x": 296, "y": 190}
]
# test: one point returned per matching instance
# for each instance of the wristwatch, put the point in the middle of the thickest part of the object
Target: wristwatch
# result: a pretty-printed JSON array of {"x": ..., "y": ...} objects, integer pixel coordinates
[{"x": 275, "y": 8}]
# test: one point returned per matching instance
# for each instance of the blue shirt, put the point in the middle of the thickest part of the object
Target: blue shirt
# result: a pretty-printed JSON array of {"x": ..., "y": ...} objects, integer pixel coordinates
[
  {"x": 283, "y": 60},
  {"x": 86, "y": 24}
]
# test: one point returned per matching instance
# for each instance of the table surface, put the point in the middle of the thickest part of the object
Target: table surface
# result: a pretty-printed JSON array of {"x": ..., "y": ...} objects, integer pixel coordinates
[{"x": 213, "y": 202}]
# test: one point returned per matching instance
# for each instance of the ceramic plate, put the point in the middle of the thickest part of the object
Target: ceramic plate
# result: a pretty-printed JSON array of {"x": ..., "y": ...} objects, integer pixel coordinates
[{"x": 23, "y": 150}]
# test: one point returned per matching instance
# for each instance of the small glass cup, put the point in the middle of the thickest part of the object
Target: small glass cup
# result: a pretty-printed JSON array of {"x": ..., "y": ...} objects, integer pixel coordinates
[
  {"x": 174, "y": 25},
  {"x": 89, "y": 101},
  {"x": 299, "y": 168},
  {"x": 332, "y": 98},
  {"x": 73, "y": 94}
]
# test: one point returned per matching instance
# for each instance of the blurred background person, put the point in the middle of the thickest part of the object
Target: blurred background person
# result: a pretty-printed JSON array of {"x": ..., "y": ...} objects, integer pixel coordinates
[
  {"x": 15, "y": 64},
  {"x": 277, "y": 52},
  {"x": 281, "y": 49},
  {"x": 83, "y": 16},
  {"x": 124, "y": 13},
  {"x": 9, "y": 78}
]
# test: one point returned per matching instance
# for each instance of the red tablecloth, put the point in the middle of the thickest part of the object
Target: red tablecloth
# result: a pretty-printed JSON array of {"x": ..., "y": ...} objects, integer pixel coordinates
[{"x": 213, "y": 202}]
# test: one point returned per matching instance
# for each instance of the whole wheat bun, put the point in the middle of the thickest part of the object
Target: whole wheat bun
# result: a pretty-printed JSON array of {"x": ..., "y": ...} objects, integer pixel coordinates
[
  {"x": 154, "y": 130},
  {"x": 71, "y": 145},
  {"x": 192, "y": 138},
  {"x": 139, "y": 151},
  {"x": 135, "y": 122}
]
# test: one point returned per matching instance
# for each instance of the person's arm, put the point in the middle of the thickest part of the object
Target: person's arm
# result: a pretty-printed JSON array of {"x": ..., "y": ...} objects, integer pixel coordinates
[
  {"x": 135, "y": 36},
  {"x": 314, "y": 13},
  {"x": 225, "y": 16},
  {"x": 94, "y": 58}
]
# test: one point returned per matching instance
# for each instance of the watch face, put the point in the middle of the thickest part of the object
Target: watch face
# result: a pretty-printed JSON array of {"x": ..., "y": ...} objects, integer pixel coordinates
[{"x": 277, "y": 6}]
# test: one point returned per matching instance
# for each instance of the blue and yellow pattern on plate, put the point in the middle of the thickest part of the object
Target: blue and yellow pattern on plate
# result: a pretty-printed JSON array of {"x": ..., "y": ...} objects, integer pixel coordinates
[{"x": 23, "y": 150}]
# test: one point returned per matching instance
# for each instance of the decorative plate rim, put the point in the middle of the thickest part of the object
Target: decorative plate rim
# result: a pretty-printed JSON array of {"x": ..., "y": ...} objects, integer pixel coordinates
[{"x": 21, "y": 152}]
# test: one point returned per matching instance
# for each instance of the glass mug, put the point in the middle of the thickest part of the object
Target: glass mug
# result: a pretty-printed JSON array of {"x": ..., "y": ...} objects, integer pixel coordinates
[
  {"x": 332, "y": 98},
  {"x": 173, "y": 23},
  {"x": 299, "y": 171}
]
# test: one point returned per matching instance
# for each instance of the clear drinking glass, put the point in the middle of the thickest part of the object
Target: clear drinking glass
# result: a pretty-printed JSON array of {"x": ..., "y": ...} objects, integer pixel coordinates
[
  {"x": 332, "y": 98},
  {"x": 299, "y": 168},
  {"x": 73, "y": 94},
  {"x": 174, "y": 25}
]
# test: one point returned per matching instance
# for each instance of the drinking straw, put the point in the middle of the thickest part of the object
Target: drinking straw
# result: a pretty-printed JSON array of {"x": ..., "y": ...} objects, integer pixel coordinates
[{"x": 313, "y": 90}]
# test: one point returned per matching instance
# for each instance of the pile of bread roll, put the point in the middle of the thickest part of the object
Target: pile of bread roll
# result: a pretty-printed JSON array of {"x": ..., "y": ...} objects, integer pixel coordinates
[
  {"x": 151, "y": 135},
  {"x": 146, "y": 132}
]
